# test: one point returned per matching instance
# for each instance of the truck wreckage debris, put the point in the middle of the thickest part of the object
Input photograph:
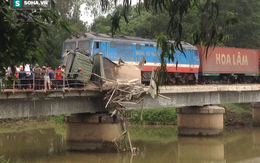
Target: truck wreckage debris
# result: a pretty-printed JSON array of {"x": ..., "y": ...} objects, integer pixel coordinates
[
  {"x": 122, "y": 84},
  {"x": 116, "y": 97}
]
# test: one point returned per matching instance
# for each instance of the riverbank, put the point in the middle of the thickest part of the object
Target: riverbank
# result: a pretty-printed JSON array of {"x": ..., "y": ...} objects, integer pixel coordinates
[
  {"x": 235, "y": 115},
  {"x": 238, "y": 114}
]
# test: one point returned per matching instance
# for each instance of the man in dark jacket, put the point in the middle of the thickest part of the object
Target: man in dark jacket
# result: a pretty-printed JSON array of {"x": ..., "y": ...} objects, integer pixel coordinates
[
  {"x": 75, "y": 76},
  {"x": 22, "y": 78}
]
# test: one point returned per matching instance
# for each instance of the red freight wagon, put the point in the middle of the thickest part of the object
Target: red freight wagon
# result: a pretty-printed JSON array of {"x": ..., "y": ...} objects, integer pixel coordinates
[{"x": 224, "y": 60}]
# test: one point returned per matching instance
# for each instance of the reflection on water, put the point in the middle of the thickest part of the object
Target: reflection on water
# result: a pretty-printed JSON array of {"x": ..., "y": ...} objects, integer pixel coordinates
[
  {"x": 157, "y": 144},
  {"x": 192, "y": 149}
]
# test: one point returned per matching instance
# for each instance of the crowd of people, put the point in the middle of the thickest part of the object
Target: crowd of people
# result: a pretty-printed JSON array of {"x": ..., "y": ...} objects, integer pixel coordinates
[{"x": 37, "y": 78}]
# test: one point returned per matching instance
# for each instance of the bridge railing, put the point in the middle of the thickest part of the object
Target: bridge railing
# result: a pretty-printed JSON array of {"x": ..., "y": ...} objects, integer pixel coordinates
[{"x": 30, "y": 82}]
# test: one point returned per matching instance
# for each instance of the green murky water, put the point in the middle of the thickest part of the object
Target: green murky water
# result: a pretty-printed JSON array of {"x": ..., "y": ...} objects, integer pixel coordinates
[{"x": 40, "y": 143}]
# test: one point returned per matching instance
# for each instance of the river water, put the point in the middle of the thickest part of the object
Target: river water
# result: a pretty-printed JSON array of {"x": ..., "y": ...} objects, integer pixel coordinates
[{"x": 41, "y": 143}]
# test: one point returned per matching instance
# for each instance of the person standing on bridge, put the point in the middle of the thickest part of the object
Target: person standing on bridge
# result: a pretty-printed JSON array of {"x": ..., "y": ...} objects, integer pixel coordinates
[
  {"x": 28, "y": 75},
  {"x": 16, "y": 71},
  {"x": 63, "y": 69},
  {"x": 37, "y": 77},
  {"x": 50, "y": 75},
  {"x": 22, "y": 78},
  {"x": 75, "y": 76},
  {"x": 32, "y": 75},
  {"x": 16, "y": 74},
  {"x": 47, "y": 81},
  {"x": 1, "y": 83},
  {"x": 58, "y": 77}
]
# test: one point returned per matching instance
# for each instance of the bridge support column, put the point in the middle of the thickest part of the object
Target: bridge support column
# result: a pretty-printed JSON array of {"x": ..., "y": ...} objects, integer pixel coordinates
[
  {"x": 256, "y": 114},
  {"x": 92, "y": 132},
  {"x": 200, "y": 121}
]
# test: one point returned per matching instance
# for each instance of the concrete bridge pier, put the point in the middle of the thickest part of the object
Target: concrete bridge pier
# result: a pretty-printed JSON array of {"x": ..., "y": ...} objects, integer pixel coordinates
[
  {"x": 256, "y": 114},
  {"x": 200, "y": 120},
  {"x": 92, "y": 132}
]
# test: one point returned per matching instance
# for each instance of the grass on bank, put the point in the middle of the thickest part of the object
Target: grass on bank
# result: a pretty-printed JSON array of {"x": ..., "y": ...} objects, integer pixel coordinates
[
  {"x": 162, "y": 134},
  {"x": 159, "y": 116},
  {"x": 237, "y": 114},
  {"x": 4, "y": 160}
]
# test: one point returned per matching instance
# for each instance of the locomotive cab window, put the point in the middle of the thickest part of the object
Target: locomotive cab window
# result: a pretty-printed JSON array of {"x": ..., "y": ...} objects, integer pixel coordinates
[
  {"x": 83, "y": 45},
  {"x": 138, "y": 46},
  {"x": 196, "y": 53},
  {"x": 70, "y": 46},
  {"x": 112, "y": 44},
  {"x": 96, "y": 45},
  {"x": 148, "y": 45}
]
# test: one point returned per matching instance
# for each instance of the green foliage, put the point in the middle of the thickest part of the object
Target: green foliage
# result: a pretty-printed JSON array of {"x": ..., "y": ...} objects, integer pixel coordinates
[
  {"x": 155, "y": 116},
  {"x": 237, "y": 24},
  {"x": 37, "y": 36},
  {"x": 246, "y": 32},
  {"x": 60, "y": 128},
  {"x": 22, "y": 32},
  {"x": 224, "y": 23},
  {"x": 52, "y": 53},
  {"x": 27, "y": 119},
  {"x": 58, "y": 118},
  {"x": 176, "y": 10},
  {"x": 237, "y": 114},
  {"x": 161, "y": 134},
  {"x": 238, "y": 107},
  {"x": 4, "y": 160}
]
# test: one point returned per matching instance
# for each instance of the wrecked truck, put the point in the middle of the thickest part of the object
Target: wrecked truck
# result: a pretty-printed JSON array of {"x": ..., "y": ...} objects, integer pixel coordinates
[{"x": 98, "y": 69}]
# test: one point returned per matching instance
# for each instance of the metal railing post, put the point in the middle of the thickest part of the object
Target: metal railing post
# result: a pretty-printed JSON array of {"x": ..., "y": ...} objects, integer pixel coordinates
[
  {"x": 33, "y": 86},
  {"x": 13, "y": 85},
  {"x": 63, "y": 85},
  {"x": 45, "y": 82}
]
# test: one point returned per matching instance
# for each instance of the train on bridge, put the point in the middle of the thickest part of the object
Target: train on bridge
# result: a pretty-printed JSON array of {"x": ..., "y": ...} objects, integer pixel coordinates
[{"x": 217, "y": 65}]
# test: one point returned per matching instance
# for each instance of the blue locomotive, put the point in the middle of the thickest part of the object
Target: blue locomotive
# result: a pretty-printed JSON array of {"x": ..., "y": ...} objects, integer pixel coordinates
[{"x": 132, "y": 49}]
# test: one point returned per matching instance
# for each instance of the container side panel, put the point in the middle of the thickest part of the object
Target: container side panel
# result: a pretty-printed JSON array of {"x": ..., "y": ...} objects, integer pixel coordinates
[{"x": 228, "y": 60}]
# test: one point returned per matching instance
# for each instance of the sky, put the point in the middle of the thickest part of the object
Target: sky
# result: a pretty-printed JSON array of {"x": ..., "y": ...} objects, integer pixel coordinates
[{"x": 88, "y": 18}]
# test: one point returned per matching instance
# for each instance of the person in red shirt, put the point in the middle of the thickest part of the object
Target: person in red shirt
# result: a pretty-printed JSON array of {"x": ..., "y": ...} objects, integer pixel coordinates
[{"x": 58, "y": 77}]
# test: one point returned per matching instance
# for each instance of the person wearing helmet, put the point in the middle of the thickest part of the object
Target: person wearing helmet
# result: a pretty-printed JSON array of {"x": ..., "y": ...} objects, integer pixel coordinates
[{"x": 76, "y": 75}]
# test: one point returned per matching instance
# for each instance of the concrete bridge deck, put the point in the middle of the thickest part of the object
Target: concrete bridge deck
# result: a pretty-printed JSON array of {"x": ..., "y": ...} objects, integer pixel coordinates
[
  {"x": 69, "y": 101},
  {"x": 197, "y": 95}
]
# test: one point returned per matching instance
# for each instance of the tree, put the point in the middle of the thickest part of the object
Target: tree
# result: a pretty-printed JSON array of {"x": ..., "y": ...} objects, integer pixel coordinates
[
  {"x": 21, "y": 31},
  {"x": 238, "y": 21},
  {"x": 201, "y": 22},
  {"x": 208, "y": 32},
  {"x": 246, "y": 32},
  {"x": 69, "y": 11},
  {"x": 145, "y": 25}
]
